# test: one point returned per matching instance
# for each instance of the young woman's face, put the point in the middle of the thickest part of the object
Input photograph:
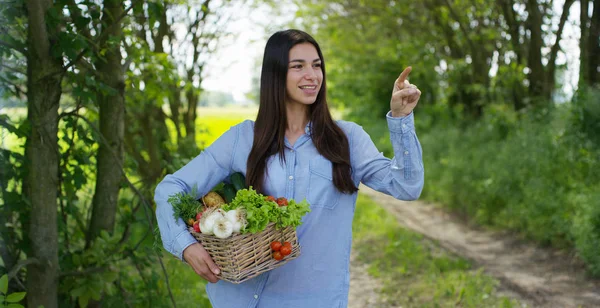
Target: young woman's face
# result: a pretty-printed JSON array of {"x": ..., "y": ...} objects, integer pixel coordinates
[{"x": 304, "y": 75}]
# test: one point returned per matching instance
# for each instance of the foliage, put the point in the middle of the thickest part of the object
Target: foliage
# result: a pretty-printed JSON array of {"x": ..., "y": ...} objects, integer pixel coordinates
[
  {"x": 155, "y": 76},
  {"x": 463, "y": 53},
  {"x": 6, "y": 299},
  {"x": 185, "y": 205},
  {"x": 416, "y": 272},
  {"x": 530, "y": 172}
]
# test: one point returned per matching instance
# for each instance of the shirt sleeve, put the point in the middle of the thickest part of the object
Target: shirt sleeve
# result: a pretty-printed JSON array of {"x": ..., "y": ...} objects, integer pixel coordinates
[
  {"x": 203, "y": 172},
  {"x": 402, "y": 176}
]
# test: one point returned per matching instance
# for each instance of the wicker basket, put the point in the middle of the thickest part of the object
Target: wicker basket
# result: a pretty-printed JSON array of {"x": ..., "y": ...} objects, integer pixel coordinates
[{"x": 244, "y": 256}]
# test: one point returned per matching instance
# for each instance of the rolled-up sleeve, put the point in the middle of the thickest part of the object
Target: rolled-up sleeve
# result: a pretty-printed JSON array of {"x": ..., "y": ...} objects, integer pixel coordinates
[{"x": 402, "y": 176}]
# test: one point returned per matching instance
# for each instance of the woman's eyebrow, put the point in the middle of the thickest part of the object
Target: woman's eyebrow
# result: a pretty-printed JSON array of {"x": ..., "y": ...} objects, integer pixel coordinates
[{"x": 302, "y": 61}]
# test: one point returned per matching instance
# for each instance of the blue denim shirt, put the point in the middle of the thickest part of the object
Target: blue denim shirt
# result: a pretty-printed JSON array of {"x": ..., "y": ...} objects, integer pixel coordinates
[{"x": 320, "y": 276}]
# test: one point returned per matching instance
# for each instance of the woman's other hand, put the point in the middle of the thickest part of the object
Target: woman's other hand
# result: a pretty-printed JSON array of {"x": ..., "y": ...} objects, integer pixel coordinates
[
  {"x": 404, "y": 95},
  {"x": 199, "y": 259}
]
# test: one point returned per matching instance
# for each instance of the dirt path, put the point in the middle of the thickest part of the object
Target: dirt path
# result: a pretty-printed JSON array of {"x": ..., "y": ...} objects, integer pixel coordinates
[
  {"x": 363, "y": 287},
  {"x": 543, "y": 277}
]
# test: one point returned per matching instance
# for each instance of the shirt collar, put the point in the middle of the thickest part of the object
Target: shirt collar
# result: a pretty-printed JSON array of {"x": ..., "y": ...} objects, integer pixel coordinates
[{"x": 308, "y": 128}]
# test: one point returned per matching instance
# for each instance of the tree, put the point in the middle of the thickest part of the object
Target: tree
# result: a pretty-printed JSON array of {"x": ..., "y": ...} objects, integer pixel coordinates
[
  {"x": 112, "y": 121},
  {"x": 589, "y": 44},
  {"x": 478, "y": 52},
  {"x": 44, "y": 75}
]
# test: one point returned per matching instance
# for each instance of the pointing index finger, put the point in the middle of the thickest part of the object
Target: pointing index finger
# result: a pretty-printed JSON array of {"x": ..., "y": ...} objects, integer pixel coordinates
[{"x": 404, "y": 74}]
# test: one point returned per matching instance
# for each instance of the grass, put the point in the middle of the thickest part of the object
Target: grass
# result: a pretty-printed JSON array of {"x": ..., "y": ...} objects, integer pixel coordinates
[
  {"x": 213, "y": 122},
  {"x": 188, "y": 288},
  {"x": 415, "y": 272}
]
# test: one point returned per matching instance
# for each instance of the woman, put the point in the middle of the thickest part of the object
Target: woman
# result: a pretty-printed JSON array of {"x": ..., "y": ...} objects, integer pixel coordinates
[{"x": 295, "y": 150}]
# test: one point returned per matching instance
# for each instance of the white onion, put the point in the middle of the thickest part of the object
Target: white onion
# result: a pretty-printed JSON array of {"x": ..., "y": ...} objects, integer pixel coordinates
[
  {"x": 208, "y": 220},
  {"x": 237, "y": 218},
  {"x": 223, "y": 228}
]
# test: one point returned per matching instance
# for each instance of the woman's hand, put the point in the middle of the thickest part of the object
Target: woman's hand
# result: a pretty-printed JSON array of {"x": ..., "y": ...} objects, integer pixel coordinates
[
  {"x": 197, "y": 257},
  {"x": 404, "y": 95}
]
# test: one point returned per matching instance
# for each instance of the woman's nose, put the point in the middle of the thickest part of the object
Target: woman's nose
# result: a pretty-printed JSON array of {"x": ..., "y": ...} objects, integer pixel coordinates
[{"x": 310, "y": 74}]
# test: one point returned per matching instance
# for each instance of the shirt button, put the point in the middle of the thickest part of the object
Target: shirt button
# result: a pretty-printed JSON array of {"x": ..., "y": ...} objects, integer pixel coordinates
[
  {"x": 403, "y": 125},
  {"x": 291, "y": 177},
  {"x": 405, "y": 152},
  {"x": 255, "y": 296}
]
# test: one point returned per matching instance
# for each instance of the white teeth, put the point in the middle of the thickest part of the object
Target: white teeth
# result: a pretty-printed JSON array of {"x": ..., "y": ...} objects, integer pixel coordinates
[{"x": 308, "y": 87}]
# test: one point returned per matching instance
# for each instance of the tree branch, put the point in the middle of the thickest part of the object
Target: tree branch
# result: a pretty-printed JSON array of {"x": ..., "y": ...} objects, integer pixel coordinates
[
  {"x": 76, "y": 13},
  {"x": 513, "y": 27},
  {"x": 554, "y": 50},
  {"x": 12, "y": 69},
  {"x": 15, "y": 47},
  {"x": 17, "y": 91},
  {"x": 103, "y": 139},
  {"x": 456, "y": 50},
  {"x": 460, "y": 25},
  {"x": 166, "y": 279},
  {"x": 101, "y": 37},
  {"x": 13, "y": 271}
]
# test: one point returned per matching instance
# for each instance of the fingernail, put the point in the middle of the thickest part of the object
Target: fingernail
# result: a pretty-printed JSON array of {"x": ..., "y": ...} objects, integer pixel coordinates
[{"x": 216, "y": 271}]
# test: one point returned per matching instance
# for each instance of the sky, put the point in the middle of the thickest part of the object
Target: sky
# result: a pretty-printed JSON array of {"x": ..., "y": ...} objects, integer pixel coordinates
[{"x": 238, "y": 58}]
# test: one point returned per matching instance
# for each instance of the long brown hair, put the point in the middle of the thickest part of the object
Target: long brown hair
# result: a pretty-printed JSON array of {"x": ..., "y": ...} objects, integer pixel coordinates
[{"x": 271, "y": 121}]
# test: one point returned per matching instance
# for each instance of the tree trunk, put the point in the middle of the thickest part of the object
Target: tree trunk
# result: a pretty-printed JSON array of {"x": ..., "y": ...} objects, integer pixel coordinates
[
  {"x": 112, "y": 121},
  {"x": 44, "y": 74},
  {"x": 594, "y": 46},
  {"x": 190, "y": 117},
  {"x": 556, "y": 47},
  {"x": 583, "y": 44},
  {"x": 537, "y": 80}
]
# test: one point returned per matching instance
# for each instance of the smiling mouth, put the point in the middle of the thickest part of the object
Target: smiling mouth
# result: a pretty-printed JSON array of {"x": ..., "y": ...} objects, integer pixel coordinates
[{"x": 308, "y": 87}]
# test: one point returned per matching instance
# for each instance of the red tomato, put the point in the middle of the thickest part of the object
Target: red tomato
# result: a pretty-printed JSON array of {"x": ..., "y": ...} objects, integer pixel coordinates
[
  {"x": 285, "y": 250},
  {"x": 275, "y": 246},
  {"x": 270, "y": 198},
  {"x": 282, "y": 201},
  {"x": 199, "y": 215},
  {"x": 277, "y": 255},
  {"x": 288, "y": 244},
  {"x": 197, "y": 226}
]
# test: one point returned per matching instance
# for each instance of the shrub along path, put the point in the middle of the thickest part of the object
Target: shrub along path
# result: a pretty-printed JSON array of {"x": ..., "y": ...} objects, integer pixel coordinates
[{"x": 543, "y": 277}]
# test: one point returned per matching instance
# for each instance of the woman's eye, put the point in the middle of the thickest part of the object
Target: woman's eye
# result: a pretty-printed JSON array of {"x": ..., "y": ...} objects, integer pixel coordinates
[
  {"x": 317, "y": 65},
  {"x": 297, "y": 66}
]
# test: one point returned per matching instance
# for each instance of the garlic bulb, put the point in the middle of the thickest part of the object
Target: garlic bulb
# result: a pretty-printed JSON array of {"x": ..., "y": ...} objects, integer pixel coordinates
[
  {"x": 223, "y": 228},
  {"x": 209, "y": 218}
]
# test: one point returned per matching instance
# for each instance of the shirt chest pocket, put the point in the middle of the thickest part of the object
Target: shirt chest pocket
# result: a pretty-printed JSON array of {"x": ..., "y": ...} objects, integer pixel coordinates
[{"x": 321, "y": 190}]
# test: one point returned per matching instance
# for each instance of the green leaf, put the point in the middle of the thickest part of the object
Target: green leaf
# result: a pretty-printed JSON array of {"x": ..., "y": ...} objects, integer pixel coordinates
[
  {"x": 15, "y": 297},
  {"x": 15, "y": 306},
  {"x": 83, "y": 301},
  {"x": 4, "y": 284}
]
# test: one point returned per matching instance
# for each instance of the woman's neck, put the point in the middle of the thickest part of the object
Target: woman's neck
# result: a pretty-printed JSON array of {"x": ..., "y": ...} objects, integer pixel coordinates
[{"x": 297, "y": 118}]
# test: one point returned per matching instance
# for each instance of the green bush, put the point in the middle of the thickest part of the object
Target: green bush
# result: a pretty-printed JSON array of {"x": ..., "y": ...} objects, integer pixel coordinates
[{"x": 528, "y": 172}]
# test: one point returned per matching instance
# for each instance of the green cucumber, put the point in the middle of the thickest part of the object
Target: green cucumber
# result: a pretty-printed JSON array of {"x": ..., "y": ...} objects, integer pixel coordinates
[
  {"x": 238, "y": 180},
  {"x": 229, "y": 192}
]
